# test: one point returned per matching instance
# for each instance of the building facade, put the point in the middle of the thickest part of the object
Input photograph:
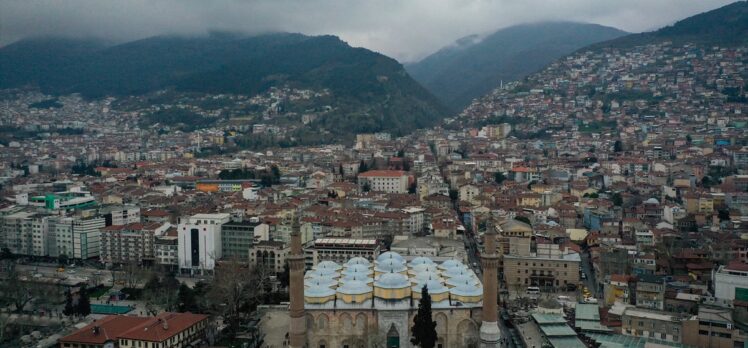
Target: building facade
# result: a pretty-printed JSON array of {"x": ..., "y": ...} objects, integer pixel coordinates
[
  {"x": 390, "y": 181},
  {"x": 199, "y": 244}
]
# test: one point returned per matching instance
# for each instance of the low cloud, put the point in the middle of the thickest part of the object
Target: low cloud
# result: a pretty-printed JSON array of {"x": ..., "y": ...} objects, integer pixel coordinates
[{"x": 404, "y": 29}]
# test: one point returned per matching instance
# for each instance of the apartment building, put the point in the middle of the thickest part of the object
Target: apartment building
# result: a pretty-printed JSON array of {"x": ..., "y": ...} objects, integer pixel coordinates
[{"x": 390, "y": 181}]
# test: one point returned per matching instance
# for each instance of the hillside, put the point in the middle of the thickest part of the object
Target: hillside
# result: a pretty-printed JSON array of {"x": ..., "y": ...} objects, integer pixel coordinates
[
  {"x": 694, "y": 68},
  {"x": 472, "y": 67},
  {"x": 725, "y": 26},
  {"x": 369, "y": 91}
]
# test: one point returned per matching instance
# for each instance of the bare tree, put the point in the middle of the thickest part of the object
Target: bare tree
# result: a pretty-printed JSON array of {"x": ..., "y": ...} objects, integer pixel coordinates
[
  {"x": 161, "y": 294},
  {"x": 132, "y": 274},
  {"x": 237, "y": 286},
  {"x": 13, "y": 290}
]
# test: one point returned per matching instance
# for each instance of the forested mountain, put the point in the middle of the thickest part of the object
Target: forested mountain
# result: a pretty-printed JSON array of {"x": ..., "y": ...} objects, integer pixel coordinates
[
  {"x": 472, "y": 66},
  {"x": 369, "y": 91}
]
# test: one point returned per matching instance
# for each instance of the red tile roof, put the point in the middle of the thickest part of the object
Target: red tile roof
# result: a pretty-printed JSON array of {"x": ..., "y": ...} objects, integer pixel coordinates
[
  {"x": 383, "y": 173},
  {"x": 162, "y": 327},
  {"x": 109, "y": 329},
  {"x": 153, "y": 329}
]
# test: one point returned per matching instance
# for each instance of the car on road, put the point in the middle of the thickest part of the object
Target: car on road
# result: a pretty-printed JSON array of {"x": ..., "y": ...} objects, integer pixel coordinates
[
  {"x": 571, "y": 287},
  {"x": 584, "y": 276},
  {"x": 71, "y": 271}
]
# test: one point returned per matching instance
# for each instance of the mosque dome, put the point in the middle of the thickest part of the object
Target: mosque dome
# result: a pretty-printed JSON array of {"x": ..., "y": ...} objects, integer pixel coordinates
[
  {"x": 390, "y": 266},
  {"x": 354, "y": 291},
  {"x": 456, "y": 271},
  {"x": 318, "y": 294},
  {"x": 390, "y": 255},
  {"x": 357, "y": 269},
  {"x": 462, "y": 279},
  {"x": 425, "y": 276},
  {"x": 451, "y": 264},
  {"x": 423, "y": 268},
  {"x": 358, "y": 260},
  {"x": 323, "y": 273},
  {"x": 392, "y": 281},
  {"x": 328, "y": 265},
  {"x": 392, "y": 286},
  {"x": 320, "y": 282},
  {"x": 467, "y": 293},
  {"x": 420, "y": 261},
  {"x": 358, "y": 277}
]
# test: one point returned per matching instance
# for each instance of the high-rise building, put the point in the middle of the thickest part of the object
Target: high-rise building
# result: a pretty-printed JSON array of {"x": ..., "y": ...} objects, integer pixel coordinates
[
  {"x": 200, "y": 242},
  {"x": 86, "y": 235}
]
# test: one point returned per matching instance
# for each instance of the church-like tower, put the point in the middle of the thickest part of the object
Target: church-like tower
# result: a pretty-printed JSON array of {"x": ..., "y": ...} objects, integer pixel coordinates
[
  {"x": 297, "y": 324},
  {"x": 489, "y": 329}
]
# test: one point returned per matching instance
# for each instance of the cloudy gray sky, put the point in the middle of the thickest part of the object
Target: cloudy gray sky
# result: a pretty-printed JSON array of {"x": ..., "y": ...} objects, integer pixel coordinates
[{"x": 404, "y": 29}]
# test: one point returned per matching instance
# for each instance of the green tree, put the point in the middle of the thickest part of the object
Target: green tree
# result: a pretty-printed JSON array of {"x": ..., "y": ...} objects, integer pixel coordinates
[
  {"x": 69, "y": 307},
  {"x": 424, "y": 327},
  {"x": 186, "y": 300},
  {"x": 617, "y": 199},
  {"x": 618, "y": 146},
  {"x": 723, "y": 214},
  {"x": 5, "y": 254},
  {"x": 362, "y": 167},
  {"x": 499, "y": 177},
  {"x": 63, "y": 259},
  {"x": 284, "y": 278},
  {"x": 84, "y": 303}
]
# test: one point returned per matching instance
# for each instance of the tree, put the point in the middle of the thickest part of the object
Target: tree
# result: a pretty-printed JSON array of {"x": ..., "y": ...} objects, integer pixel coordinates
[
  {"x": 723, "y": 215},
  {"x": 340, "y": 169},
  {"x": 69, "y": 307},
  {"x": 412, "y": 188},
  {"x": 132, "y": 274},
  {"x": 161, "y": 294},
  {"x": 366, "y": 187},
  {"x": 454, "y": 195},
  {"x": 499, "y": 177},
  {"x": 186, "y": 300},
  {"x": 617, "y": 199},
  {"x": 617, "y": 146},
  {"x": 5, "y": 254},
  {"x": 284, "y": 278},
  {"x": 84, "y": 303},
  {"x": 237, "y": 288},
  {"x": 362, "y": 167},
  {"x": 424, "y": 327},
  {"x": 13, "y": 291}
]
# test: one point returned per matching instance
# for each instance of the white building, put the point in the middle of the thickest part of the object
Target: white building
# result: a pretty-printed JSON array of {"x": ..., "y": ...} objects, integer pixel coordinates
[
  {"x": 414, "y": 223},
  {"x": 731, "y": 281},
  {"x": 390, "y": 181},
  {"x": 200, "y": 241},
  {"x": 87, "y": 236}
]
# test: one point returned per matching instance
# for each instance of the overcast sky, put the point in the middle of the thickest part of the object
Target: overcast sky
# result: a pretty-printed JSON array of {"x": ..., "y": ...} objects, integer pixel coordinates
[{"x": 403, "y": 29}]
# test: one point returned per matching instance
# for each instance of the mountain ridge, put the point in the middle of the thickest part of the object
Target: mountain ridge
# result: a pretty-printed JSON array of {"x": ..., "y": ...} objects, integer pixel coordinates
[
  {"x": 364, "y": 84},
  {"x": 468, "y": 69}
]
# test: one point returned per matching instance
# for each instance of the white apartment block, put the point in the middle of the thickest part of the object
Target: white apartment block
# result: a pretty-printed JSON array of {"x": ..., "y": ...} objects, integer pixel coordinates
[{"x": 200, "y": 242}]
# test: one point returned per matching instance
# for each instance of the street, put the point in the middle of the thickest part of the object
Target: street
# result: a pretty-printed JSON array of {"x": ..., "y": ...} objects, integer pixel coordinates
[{"x": 586, "y": 267}]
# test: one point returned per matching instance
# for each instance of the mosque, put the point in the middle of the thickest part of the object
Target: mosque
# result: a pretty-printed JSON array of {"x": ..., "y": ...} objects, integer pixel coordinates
[{"x": 364, "y": 303}]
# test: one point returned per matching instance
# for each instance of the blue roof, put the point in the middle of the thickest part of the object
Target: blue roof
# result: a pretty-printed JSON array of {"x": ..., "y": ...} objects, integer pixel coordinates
[
  {"x": 392, "y": 281},
  {"x": 354, "y": 287},
  {"x": 390, "y": 255}
]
